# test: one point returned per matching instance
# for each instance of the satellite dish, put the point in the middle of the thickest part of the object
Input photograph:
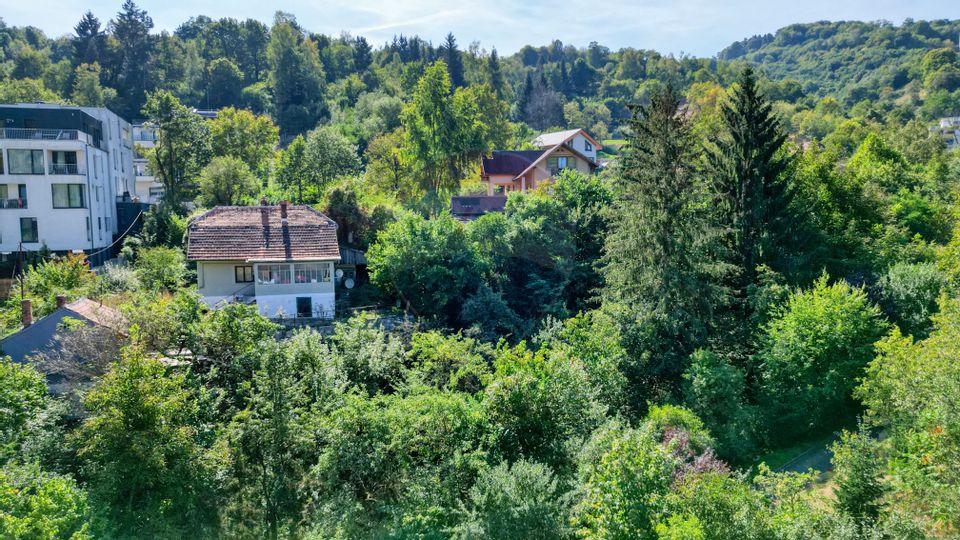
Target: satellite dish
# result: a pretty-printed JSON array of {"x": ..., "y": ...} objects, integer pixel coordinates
[
  {"x": 348, "y": 283},
  {"x": 339, "y": 273}
]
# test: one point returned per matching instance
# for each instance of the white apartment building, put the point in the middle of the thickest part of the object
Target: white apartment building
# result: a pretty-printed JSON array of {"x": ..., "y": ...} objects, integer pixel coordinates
[
  {"x": 62, "y": 169},
  {"x": 147, "y": 188}
]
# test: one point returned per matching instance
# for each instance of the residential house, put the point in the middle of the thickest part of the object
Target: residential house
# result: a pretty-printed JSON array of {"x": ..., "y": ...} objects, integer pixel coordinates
[
  {"x": 62, "y": 169},
  {"x": 279, "y": 257},
  {"x": 949, "y": 131},
  {"x": 507, "y": 170},
  {"x": 40, "y": 336}
]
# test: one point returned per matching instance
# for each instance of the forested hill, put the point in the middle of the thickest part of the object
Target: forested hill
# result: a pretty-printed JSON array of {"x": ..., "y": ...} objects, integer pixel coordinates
[
  {"x": 304, "y": 79},
  {"x": 854, "y": 60}
]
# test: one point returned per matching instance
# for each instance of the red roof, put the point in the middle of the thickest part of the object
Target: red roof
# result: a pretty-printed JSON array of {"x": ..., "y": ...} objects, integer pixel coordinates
[{"x": 256, "y": 233}]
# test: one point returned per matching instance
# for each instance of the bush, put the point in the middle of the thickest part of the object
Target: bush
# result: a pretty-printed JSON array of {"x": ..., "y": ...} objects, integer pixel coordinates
[
  {"x": 117, "y": 278},
  {"x": 522, "y": 500},
  {"x": 909, "y": 295},
  {"x": 161, "y": 268},
  {"x": 35, "y": 504},
  {"x": 227, "y": 181}
]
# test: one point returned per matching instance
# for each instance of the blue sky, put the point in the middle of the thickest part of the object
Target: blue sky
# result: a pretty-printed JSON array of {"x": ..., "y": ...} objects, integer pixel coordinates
[{"x": 698, "y": 27}]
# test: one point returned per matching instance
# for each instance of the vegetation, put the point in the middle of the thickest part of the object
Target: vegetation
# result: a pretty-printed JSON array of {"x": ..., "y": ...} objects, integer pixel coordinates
[{"x": 772, "y": 255}]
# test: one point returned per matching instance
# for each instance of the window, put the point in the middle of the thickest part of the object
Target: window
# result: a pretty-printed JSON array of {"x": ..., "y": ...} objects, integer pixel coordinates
[
  {"x": 304, "y": 306},
  {"x": 68, "y": 196},
  {"x": 273, "y": 274},
  {"x": 311, "y": 273},
  {"x": 556, "y": 164},
  {"x": 63, "y": 162},
  {"x": 25, "y": 161},
  {"x": 243, "y": 274},
  {"x": 587, "y": 146},
  {"x": 1, "y": 162},
  {"x": 89, "y": 232},
  {"x": 28, "y": 230},
  {"x": 3, "y": 192}
]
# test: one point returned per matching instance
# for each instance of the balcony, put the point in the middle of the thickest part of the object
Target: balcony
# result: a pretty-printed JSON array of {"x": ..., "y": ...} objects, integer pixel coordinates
[
  {"x": 64, "y": 168},
  {"x": 13, "y": 204},
  {"x": 40, "y": 134}
]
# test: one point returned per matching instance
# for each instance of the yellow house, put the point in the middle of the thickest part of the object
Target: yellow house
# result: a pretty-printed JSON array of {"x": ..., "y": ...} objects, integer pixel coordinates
[
  {"x": 507, "y": 170},
  {"x": 279, "y": 257}
]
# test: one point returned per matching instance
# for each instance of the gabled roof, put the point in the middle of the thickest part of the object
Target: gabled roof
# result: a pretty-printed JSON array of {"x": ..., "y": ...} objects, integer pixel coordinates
[
  {"x": 468, "y": 207},
  {"x": 510, "y": 162},
  {"x": 559, "y": 137},
  {"x": 551, "y": 150},
  {"x": 257, "y": 233},
  {"x": 39, "y": 336}
]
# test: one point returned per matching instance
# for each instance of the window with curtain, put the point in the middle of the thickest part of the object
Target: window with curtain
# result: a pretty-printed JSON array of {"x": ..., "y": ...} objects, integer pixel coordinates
[
  {"x": 273, "y": 274},
  {"x": 25, "y": 161},
  {"x": 311, "y": 273},
  {"x": 28, "y": 230},
  {"x": 68, "y": 196}
]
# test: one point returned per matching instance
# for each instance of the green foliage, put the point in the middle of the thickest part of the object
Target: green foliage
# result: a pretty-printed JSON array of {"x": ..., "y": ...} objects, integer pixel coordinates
[
  {"x": 182, "y": 147},
  {"x": 522, "y": 500},
  {"x": 366, "y": 356},
  {"x": 660, "y": 253},
  {"x": 41, "y": 506},
  {"x": 296, "y": 76},
  {"x": 226, "y": 181},
  {"x": 427, "y": 264},
  {"x": 716, "y": 392},
  {"x": 69, "y": 276},
  {"x": 161, "y": 268},
  {"x": 910, "y": 388},
  {"x": 813, "y": 352},
  {"x": 449, "y": 362},
  {"x": 28, "y": 416},
  {"x": 539, "y": 403},
  {"x": 241, "y": 134},
  {"x": 858, "y": 473},
  {"x": 141, "y": 453},
  {"x": 909, "y": 295}
]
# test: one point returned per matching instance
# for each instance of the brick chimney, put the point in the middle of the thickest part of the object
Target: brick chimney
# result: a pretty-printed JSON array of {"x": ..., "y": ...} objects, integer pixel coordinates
[
  {"x": 26, "y": 310},
  {"x": 61, "y": 300},
  {"x": 283, "y": 211},
  {"x": 263, "y": 201}
]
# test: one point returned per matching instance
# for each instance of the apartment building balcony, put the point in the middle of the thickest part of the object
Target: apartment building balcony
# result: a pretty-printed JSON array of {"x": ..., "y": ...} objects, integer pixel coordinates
[
  {"x": 13, "y": 204},
  {"x": 65, "y": 168},
  {"x": 41, "y": 134}
]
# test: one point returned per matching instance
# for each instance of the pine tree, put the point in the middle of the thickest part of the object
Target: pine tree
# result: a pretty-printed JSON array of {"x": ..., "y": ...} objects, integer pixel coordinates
[
  {"x": 131, "y": 29},
  {"x": 88, "y": 45},
  {"x": 564, "y": 79},
  {"x": 451, "y": 55},
  {"x": 494, "y": 74},
  {"x": 660, "y": 263},
  {"x": 748, "y": 166},
  {"x": 362, "y": 57},
  {"x": 523, "y": 98}
]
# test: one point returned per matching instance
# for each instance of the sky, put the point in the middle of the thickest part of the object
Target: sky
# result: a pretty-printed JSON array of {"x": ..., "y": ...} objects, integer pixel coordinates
[{"x": 696, "y": 27}]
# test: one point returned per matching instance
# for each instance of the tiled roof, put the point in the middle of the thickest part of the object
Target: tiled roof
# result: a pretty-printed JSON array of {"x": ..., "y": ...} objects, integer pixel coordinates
[
  {"x": 559, "y": 137},
  {"x": 97, "y": 313},
  {"x": 255, "y": 233},
  {"x": 509, "y": 161},
  {"x": 477, "y": 205}
]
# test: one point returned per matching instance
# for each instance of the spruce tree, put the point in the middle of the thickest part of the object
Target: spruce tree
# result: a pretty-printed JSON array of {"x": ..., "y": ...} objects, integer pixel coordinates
[
  {"x": 88, "y": 46},
  {"x": 661, "y": 265},
  {"x": 495, "y": 74},
  {"x": 748, "y": 169},
  {"x": 451, "y": 55},
  {"x": 523, "y": 97}
]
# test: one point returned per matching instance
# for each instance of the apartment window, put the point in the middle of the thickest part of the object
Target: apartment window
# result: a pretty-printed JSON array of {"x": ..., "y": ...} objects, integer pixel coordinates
[
  {"x": 89, "y": 231},
  {"x": 243, "y": 274},
  {"x": 100, "y": 227},
  {"x": 311, "y": 273},
  {"x": 3, "y": 192},
  {"x": 1, "y": 162},
  {"x": 556, "y": 164},
  {"x": 28, "y": 230},
  {"x": 63, "y": 162},
  {"x": 68, "y": 196},
  {"x": 274, "y": 274},
  {"x": 25, "y": 161},
  {"x": 587, "y": 146}
]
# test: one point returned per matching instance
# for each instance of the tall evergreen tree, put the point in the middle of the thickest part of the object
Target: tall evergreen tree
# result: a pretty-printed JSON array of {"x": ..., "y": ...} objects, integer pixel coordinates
[
  {"x": 88, "y": 45},
  {"x": 661, "y": 260},
  {"x": 297, "y": 78},
  {"x": 748, "y": 166},
  {"x": 523, "y": 97},
  {"x": 495, "y": 74},
  {"x": 134, "y": 47},
  {"x": 362, "y": 57},
  {"x": 451, "y": 55}
]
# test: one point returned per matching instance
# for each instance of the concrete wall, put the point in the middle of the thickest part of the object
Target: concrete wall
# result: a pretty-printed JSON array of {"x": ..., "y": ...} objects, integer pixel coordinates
[
  {"x": 217, "y": 279},
  {"x": 285, "y": 305}
]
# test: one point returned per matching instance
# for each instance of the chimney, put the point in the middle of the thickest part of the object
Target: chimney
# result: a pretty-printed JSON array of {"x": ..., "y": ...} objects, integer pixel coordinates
[
  {"x": 263, "y": 201},
  {"x": 61, "y": 300},
  {"x": 283, "y": 211},
  {"x": 26, "y": 309}
]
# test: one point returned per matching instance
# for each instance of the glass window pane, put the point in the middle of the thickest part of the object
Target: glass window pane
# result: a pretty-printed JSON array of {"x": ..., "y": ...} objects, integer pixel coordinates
[
  {"x": 60, "y": 198},
  {"x": 28, "y": 229}
]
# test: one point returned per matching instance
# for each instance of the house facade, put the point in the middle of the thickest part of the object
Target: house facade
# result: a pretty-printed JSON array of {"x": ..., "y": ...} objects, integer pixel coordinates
[
  {"x": 279, "y": 257},
  {"x": 505, "y": 171},
  {"x": 62, "y": 169}
]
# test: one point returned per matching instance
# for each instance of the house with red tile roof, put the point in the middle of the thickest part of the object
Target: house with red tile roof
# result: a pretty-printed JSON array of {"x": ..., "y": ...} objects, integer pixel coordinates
[
  {"x": 280, "y": 257},
  {"x": 505, "y": 171}
]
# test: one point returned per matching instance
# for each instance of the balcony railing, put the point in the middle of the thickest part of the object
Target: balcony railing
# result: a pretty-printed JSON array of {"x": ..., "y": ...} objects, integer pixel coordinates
[
  {"x": 13, "y": 203},
  {"x": 64, "y": 168},
  {"x": 40, "y": 134}
]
